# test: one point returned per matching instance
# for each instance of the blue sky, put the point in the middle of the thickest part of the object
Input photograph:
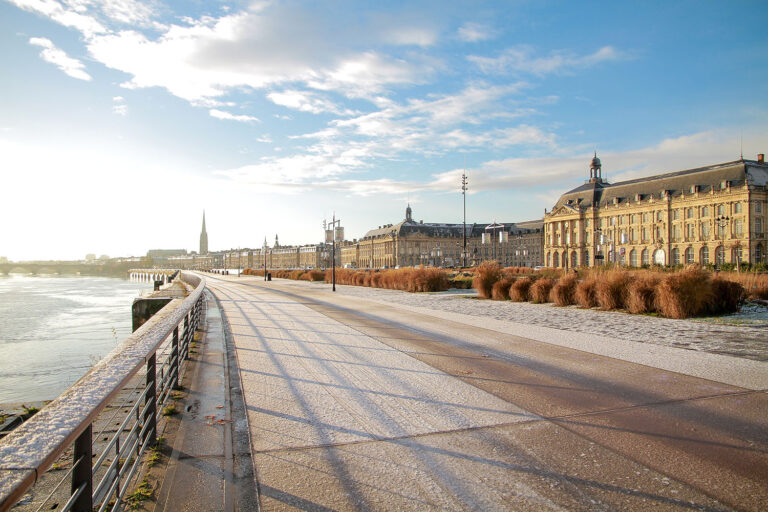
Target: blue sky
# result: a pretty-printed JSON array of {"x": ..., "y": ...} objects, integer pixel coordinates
[{"x": 122, "y": 120}]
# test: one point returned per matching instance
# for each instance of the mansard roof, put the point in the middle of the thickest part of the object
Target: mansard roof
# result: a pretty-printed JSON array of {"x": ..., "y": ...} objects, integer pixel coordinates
[
  {"x": 701, "y": 179},
  {"x": 440, "y": 230}
]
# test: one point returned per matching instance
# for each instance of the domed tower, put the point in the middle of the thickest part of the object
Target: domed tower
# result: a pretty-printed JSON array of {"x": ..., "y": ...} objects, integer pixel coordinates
[
  {"x": 408, "y": 214},
  {"x": 595, "y": 170}
]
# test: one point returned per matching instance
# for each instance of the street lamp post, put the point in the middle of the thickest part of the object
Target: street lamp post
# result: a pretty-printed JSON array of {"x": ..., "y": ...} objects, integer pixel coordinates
[
  {"x": 464, "y": 196},
  {"x": 333, "y": 224},
  {"x": 721, "y": 222},
  {"x": 493, "y": 228},
  {"x": 265, "y": 258}
]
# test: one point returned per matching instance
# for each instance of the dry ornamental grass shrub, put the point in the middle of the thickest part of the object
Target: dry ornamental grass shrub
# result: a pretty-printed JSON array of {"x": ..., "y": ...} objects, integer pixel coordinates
[
  {"x": 586, "y": 292},
  {"x": 520, "y": 290},
  {"x": 641, "y": 293},
  {"x": 486, "y": 274},
  {"x": 539, "y": 291},
  {"x": 611, "y": 289},
  {"x": 727, "y": 296},
  {"x": 500, "y": 290},
  {"x": 754, "y": 284},
  {"x": 685, "y": 294},
  {"x": 564, "y": 291},
  {"x": 427, "y": 280},
  {"x": 316, "y": 275},
  {"x": 517, "y": 270}
]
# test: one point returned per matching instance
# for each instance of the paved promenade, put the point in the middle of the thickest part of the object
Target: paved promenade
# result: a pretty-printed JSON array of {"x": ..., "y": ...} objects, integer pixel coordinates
[{"x": 358, "y": 402}]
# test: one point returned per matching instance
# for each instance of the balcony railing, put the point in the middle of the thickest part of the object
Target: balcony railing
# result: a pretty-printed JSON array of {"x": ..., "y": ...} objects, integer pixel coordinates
[{"x": 99, "y": 481}]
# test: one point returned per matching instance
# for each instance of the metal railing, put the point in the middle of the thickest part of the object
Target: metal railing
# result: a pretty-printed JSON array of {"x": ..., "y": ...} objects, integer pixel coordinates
[{"x": 100, "y": 481}]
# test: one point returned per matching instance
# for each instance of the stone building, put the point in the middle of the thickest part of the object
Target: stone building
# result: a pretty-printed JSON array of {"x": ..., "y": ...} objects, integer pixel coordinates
[
  {"x": 708, "y": 215},
  {"x": 411, "y": 243}
]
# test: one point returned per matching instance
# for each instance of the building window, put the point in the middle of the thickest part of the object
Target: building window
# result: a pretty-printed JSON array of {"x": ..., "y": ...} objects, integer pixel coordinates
[
  {"x": 659, "y": 216},
  {"x": 586, "y": 259},
  {"x": 574, "y": 260},
  {"x": 690, "y": 231},
  {"x": 738, "y": 227},
  {"x": 644, "y": 257},
  {"x": 759, "y": 253},
  {"x": 677, "y": 232},
  {"x": 676, "y": 214},
  {"x": 736, "y": 208},
  {"x": 586, "y": 223},
  {"x": 645, "y": 234},
  {"x": 704, "y": 255},
  {"x": 721, "y": 231},
  {"x": 759, "y": 227},
  {"x": 659, "y": 233},
  {"x": 633, "y": 258},
  {"x": 689, "y": 255},
  {"x": 556, "y": 260},
  {"x": 632, "y": 235},
  {"x": 736, "y": 254},
  {"x": 720, "y": 255},
  {"x": 758, "y": 207},
  {"x": 675, "y": 256},
  {"x": 689, "y": 213},
  {"x": 705, "y": 231},
  {"x": 705, "y": 211},
  {"x": 721, "y": 209}
]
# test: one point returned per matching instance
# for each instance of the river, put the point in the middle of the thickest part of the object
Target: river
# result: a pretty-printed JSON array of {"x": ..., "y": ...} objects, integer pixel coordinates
[{"x": 53, "y": 329}]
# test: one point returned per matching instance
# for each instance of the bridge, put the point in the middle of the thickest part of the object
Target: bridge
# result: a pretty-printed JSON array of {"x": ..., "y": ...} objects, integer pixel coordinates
[
  {"x": 295, "y": 398},
  {"x": 111, "y": 269}
]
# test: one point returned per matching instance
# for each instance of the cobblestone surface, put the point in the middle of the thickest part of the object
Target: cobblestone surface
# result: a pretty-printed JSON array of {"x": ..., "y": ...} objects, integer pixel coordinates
[{"x": 749, "y": 341}]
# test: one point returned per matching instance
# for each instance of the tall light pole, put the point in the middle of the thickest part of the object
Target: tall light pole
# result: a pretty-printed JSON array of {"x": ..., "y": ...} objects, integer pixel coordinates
[
  {"x": 265, "y": 258},
  {"x": 333, "y": 223},
  {"x": 493, "y": 227},
  {"x": 464, "y": 196}
]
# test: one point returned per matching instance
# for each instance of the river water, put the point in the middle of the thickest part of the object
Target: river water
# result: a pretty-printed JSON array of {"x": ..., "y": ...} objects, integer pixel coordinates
[{"x": 53, "y": 329}]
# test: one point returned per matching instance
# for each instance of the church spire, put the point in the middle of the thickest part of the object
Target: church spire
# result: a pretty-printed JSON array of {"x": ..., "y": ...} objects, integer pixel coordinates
[{"x": 203, "y": 238}]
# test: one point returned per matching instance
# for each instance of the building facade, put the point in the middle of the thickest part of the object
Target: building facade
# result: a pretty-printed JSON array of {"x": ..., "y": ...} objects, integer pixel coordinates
[
  {"x": 410, "y": 243},
  {"x": 708, "y": 215}
]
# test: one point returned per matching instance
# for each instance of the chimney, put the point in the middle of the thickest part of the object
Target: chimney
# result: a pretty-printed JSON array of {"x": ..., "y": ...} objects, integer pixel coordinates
[{"x": 761, "y": 158}]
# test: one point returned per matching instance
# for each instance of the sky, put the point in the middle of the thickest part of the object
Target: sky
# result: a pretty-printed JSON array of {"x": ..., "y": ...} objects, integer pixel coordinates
[{"x": 121, "y": 121}]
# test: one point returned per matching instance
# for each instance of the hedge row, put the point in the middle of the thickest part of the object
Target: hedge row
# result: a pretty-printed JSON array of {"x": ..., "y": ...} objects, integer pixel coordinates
[{"x": 691, "y": 292}]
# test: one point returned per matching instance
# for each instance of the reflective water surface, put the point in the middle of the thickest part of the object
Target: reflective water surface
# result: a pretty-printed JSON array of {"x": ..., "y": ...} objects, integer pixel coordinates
[{"x": 53, "y": 329}]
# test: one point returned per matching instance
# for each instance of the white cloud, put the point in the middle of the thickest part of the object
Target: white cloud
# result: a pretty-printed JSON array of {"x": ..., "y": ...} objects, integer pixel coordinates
[
  {"x": 65, "y": 16},
  {"x": 326, "y": 167},
  {"x": 220, "y": 114},
  {"x": 474, "y": 32},
  {"x": 418, "y": 36},
  {"x": 209, "y": 57},
  {"x": 118, "y": 106},
  {"x": 521, "y": 59},
  {"x": 306, "y": 101},
  {"x": 60, "y": 59}
]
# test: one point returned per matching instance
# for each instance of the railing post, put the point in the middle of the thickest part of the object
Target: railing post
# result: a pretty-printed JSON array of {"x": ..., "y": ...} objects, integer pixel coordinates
[
  {"x": 187, "y": 337},
  {"x": 175, "y": 360},
  {"x": 82, "y": 475},
  {"x": 150, "y": 401}
]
